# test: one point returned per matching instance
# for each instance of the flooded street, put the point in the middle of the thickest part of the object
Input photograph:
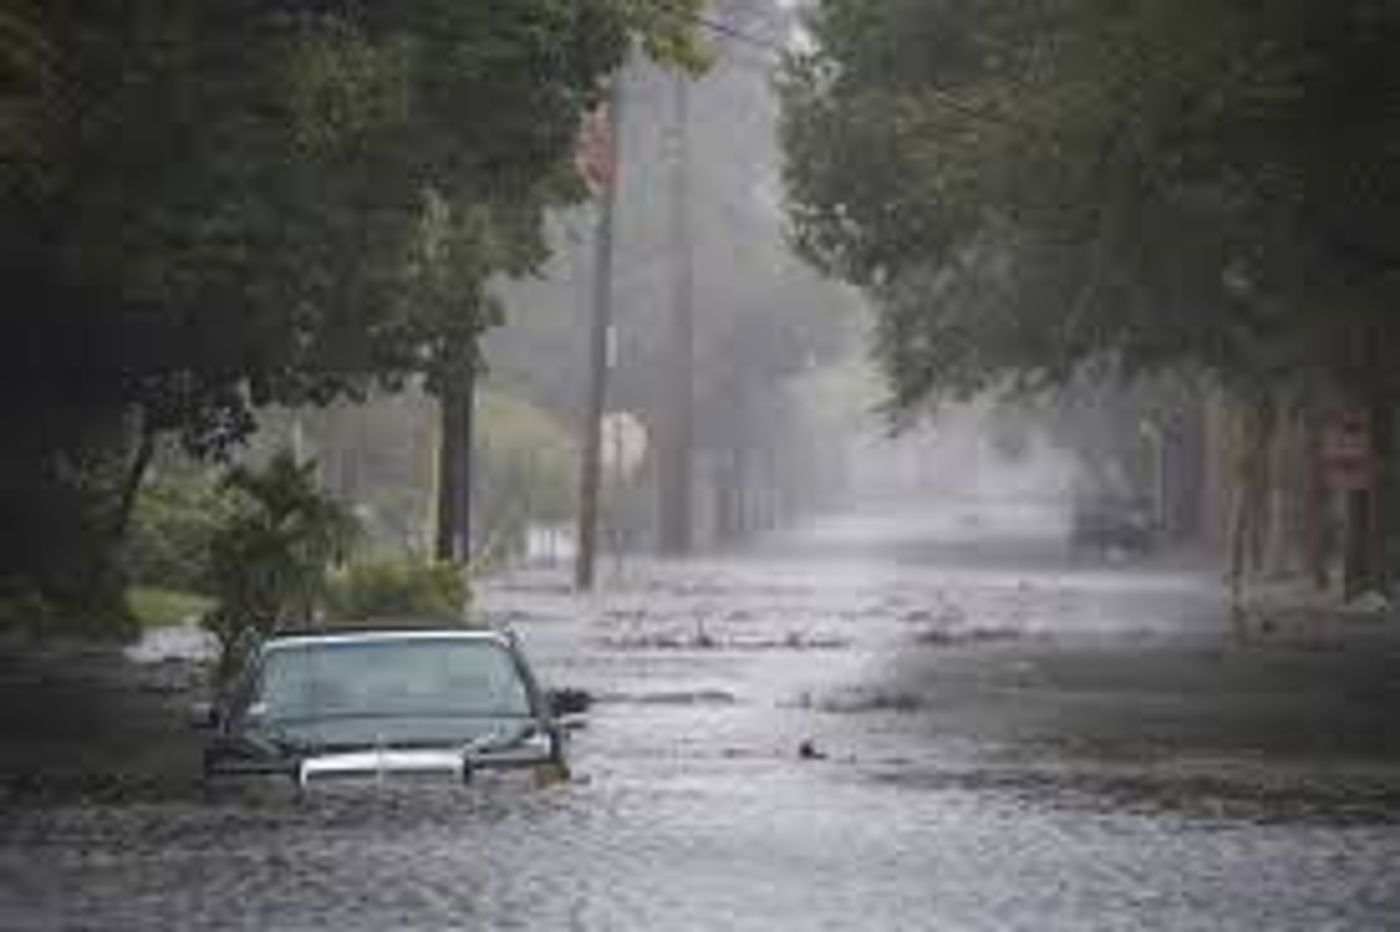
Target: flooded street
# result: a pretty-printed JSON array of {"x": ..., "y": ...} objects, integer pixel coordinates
[
  {"x": 699, "y": 465},
  {"x": 854, "y": 727}
]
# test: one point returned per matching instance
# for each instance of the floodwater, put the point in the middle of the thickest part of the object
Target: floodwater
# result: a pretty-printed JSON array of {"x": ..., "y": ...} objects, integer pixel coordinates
[{"x": 855, "y": 727}]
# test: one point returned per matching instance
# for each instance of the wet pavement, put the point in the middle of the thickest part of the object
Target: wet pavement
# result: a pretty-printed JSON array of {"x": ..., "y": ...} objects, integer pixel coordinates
[{"x": 855, "y": 727}]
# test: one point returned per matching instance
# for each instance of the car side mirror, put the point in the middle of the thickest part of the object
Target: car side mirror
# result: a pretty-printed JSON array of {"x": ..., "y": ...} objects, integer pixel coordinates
[{"x": 567, "y": 703}]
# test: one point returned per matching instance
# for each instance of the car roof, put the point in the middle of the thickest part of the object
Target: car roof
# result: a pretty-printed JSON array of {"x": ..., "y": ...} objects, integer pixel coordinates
[{"x": 386, "y": 634}]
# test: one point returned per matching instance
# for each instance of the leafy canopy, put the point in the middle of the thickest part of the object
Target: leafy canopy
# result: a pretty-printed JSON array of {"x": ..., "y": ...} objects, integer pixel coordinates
[
  {"x": 211, "y": 206},
  {"x": 224, "y": 203},
  {"x": 1024, "y": 188}
]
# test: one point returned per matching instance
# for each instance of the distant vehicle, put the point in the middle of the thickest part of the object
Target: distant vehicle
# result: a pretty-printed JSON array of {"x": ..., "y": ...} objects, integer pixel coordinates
[
  {"x": 1105, "y": 524},
  {"x": 383, "y": 705}
]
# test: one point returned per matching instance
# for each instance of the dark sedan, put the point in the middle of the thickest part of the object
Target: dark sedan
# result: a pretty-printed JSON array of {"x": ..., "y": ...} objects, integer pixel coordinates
[{"x": 386, "y": 705}]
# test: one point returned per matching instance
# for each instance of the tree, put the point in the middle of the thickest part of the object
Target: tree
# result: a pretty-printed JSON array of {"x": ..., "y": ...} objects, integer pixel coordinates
[
  {"x": 268, "y": 562},
  {"x": 1028, "y": 190},
  {"x": 210, "y": 208}
]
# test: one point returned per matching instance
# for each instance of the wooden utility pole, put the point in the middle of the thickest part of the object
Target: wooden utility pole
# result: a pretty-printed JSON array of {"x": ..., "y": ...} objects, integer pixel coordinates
[
  {"x": 590, "y": 465},
  {"x": 676, "y": 428}
]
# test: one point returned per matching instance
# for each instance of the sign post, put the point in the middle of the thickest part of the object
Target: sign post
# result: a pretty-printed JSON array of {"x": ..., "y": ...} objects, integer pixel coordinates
[
  {"x": 1349, "y": 468},
  {"x": 598, "y": 164},
  {"x": 1348, "y": 457}
]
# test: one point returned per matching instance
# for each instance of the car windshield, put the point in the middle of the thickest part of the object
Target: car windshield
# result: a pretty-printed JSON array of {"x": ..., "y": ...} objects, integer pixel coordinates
[{"x": 418, "y": 678}]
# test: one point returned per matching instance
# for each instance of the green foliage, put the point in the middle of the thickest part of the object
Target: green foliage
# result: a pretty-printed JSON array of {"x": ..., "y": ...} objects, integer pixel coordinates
[
  {"x": 172, "y": 528},
  {"x": 154, "y": 607},
  {"x": 402, "y": 589},
  {"x": 212, "y": 206},
  {"x": 1028, "y": 188},
  {"x": 246, "y": 203},
  {"x": 269, "y": 560}
]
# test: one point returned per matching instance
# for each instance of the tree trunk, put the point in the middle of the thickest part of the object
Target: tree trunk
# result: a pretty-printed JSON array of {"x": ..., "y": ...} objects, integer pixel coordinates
[
  {"x": 466, "y": 458},
  {"x": 448, "y": 454},
  {"x": 135, "y": 475},
  {"x": 1250, "y": 500},
  {"x": 456, "y": 403}
]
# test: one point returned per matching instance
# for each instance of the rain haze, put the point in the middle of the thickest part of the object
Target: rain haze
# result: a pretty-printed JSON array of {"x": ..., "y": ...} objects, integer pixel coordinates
[{"x": 699, "y": 464}]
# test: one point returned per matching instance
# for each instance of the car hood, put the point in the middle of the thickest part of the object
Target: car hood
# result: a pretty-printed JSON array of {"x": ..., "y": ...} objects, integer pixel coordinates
[{"x": 353, "y": 733}]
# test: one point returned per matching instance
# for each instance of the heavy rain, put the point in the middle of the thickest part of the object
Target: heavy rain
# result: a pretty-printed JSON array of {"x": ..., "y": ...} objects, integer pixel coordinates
[{"x": 699, "y": 464}]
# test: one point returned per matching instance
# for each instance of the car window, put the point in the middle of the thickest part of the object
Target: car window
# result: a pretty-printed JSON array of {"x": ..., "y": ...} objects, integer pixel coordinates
[{"x": 391, "y": 679}]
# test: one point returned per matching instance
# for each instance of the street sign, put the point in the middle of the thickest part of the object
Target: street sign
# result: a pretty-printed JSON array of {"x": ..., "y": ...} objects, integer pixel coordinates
[
  {"x": 624, "y": 446},
  {"x": 1348, "y": 457},
  {"x": 596, "y": 153}
]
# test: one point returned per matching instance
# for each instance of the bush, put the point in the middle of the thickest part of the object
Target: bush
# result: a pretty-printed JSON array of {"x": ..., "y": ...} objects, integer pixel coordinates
[
  {"x": 399, "y": 588},
  {"x": 269, "y": 560},
  {"x": 159, "y": 608}
]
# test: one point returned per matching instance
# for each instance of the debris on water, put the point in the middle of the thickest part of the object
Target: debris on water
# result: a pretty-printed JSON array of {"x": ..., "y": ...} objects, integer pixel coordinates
[
  {"x": 808, "y": 750},
  {"x": 703, "y": 638},
  {"x": 1369, "y": 603},
  {"x": 862, "y": 699},
  {"x": 945, "y": 637},
  {"x": 943, "y": 612},
  {"x": 799, "y": 640},
  {"x": 624, "y": 615},
  {"x": 676, "y": 697}
]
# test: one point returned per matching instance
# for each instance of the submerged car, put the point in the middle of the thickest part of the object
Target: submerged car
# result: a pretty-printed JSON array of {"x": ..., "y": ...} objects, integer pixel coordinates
[
  {"x": 385, "y": 705},
  {"x": 1111, "y": 523}
]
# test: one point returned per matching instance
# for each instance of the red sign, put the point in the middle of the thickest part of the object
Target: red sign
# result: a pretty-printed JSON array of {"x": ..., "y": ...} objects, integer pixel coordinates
[
  {"x": 1348, "y": 459},
  {"x": 596, "y": 156}
]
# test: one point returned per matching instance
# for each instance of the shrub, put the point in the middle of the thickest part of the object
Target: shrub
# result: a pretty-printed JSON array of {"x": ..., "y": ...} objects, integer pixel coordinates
[
  {"x": 158, "y": 608},
  {"x": 399, "y": 588},
  {"x": 172, "y": 528},
  {"x": 269, "y": 560}
]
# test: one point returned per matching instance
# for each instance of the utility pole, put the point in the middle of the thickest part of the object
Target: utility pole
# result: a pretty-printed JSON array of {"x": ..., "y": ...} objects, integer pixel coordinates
[
  {"x": 677, "y": 423},
  {"x": 605, "y": 173}
]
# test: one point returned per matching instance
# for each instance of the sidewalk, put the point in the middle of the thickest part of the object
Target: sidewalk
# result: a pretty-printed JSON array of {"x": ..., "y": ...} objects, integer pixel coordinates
[
  {"x": 84, "y": 720},
  {"x": 1297, "y": 608}
]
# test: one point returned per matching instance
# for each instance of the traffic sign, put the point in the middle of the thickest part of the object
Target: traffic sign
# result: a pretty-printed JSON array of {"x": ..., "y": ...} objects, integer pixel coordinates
[
  {"x": 1347, "y": 452},
  {"x": 624, "y": 446}
]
